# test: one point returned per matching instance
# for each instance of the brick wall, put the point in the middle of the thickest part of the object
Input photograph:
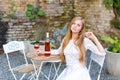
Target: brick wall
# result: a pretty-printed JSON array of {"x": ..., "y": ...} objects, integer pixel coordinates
[
  {"x": 58, "y": 13},
  {"x": 96, "y": 15}
]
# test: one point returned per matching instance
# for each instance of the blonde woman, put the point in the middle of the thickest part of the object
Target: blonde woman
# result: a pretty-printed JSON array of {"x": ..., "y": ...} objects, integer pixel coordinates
[{"x": 73, "y": 50}]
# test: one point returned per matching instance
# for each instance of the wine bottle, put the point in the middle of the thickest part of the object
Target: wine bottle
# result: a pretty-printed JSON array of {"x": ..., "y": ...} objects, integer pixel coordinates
[{"x": 47, "y": 45}]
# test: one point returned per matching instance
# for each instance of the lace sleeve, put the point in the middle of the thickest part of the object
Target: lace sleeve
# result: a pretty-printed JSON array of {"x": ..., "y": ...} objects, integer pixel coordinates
[{"x": 92, "y": 47}]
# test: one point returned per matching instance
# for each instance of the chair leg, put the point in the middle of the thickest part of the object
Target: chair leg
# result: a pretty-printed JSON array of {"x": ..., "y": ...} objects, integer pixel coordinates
[
  {"x": 44, "y": 75},
  {"x": 39, "y": 70},
  {"x": 14, "y": 75},
  {"x": 99, "y": 74},
  {"x": 34, "y": 67},
  {"x": 50, "y": 71},
  {"x": 32, "y": 77},
  {"x": 10, "y": 67},
  {"x": 89, "y": 65},
  {"x": 23, "y": 76}
]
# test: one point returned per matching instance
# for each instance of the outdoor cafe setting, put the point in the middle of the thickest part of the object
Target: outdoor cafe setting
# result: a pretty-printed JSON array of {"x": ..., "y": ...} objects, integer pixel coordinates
[
  {"x": 37, "y": 60},
  {"x": 59, "y": 39}
]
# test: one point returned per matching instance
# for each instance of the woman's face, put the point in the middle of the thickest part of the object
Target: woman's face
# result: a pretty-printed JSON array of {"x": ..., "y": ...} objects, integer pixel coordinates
[{"x": 76, "y": 26}]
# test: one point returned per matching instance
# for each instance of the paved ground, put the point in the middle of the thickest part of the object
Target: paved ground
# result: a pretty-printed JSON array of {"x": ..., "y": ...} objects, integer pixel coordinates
[{"x": 5, "y": 74}]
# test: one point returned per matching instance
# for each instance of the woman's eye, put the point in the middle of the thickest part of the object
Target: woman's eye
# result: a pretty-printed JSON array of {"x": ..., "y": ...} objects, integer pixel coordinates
[
  {"x": 73, "y": 23},
  {"x": 76, "y": 24}
]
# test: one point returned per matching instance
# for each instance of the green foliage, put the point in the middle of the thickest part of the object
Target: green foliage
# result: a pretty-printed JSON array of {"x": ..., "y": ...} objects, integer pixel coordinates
[
  {"x": 52, "y": 46},
  {"x": 1, "y": 15},
  {"x": 115, "y": 23},
  {"x": 12, "y": 16},
  {"x": 113, "y": 4},
  {"x": 33, "y": 12},
  {"x": 108, "y": 3},
  {"x": 114, "y": 44}
]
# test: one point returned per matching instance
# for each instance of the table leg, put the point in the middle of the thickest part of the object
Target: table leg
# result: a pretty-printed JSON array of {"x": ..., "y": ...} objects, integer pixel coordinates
[
  {"x": 56, "y": 71},
  {"x": 39, "y": 70}
]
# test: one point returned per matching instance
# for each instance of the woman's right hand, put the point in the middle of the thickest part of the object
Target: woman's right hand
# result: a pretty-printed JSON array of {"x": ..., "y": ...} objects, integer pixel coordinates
[{"x": 41, "y": 53}]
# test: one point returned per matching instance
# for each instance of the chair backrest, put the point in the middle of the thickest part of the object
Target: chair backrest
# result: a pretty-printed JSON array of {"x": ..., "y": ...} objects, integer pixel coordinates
[
  {"x": 14, "y": 46},
  {"x": 99, "y": 60}
]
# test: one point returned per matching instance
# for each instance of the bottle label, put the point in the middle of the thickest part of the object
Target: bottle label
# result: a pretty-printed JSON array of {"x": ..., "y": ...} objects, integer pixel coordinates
[
  {"x": 47, "y": 53},
  {"x": 47, "y": 46}
]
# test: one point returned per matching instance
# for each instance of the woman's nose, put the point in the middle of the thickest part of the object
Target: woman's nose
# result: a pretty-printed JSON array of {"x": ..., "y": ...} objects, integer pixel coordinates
[{"x": 75, "y": 25}]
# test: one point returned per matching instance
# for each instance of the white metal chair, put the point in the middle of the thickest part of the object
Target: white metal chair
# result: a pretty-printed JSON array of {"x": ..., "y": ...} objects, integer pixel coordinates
[
  {"x": 99, "y": 60},
  {"x": 25, "y": 68}
]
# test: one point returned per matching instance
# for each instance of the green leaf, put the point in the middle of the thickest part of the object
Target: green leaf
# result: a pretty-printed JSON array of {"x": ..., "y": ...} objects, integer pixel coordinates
[
  {"x": 114, "y": 50},
  {"x": 30, "y": 7},
  {"x": 40, "y": 13},
  {"x": 52, "y": 46},
  {"x": 115, "y": 44},
  {"x": 110, "y": 48},
  {"x": 33, "y": 12},
  {"x": 32, "y": 17},
  {"x": 12, "y": 16},
  {"x": 108, "y": 3},
  {"x": 105, "y": 38},
  {"x": 28, "y": 13}
]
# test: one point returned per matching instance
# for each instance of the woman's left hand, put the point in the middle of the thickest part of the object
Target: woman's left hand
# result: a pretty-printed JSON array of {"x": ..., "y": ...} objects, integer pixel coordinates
[{"x": 91, "y": 36}]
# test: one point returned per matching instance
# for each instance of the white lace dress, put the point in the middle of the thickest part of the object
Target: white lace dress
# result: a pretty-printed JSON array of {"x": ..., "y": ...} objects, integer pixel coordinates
[{"x": 74, "y": 69}]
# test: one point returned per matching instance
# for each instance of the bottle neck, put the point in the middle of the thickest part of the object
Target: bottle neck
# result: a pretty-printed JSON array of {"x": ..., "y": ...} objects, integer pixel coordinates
[
  {"x": 47, "y": 37},
  {"x": 47, "y": 40}
]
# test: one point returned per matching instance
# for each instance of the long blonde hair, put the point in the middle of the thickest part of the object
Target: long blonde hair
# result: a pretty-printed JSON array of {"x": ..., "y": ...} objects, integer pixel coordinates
[{"x": 79, "y": 41}]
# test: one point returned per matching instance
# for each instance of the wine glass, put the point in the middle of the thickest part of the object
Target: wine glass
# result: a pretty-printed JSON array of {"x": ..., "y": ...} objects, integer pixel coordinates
[{"x": 36, "y": 48}]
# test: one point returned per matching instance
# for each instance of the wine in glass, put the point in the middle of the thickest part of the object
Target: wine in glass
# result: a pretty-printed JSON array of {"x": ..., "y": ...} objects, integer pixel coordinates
[{"x": 36, "y": 48}]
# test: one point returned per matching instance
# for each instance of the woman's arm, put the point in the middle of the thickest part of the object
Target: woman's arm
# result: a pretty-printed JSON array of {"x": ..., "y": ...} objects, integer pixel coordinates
[{"x": 95, "y": 41}]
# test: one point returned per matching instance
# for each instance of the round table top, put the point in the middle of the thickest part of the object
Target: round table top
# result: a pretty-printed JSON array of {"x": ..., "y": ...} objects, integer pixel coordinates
[{"x": 51, "y": 58}]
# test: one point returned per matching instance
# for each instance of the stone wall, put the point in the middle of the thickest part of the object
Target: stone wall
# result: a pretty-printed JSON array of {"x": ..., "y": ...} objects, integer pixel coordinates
[
  {"x": 20, "y": 32},
  {"x": 58, "y": 13},
  {"x": 96, "y": 15}
]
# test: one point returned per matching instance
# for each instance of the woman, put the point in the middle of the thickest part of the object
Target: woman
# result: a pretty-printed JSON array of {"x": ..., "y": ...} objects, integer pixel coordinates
[{"x": 73, "y": 49}]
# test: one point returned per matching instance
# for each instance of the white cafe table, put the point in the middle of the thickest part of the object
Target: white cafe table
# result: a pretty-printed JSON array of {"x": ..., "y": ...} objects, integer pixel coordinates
[{"x": 43, "y": 59}]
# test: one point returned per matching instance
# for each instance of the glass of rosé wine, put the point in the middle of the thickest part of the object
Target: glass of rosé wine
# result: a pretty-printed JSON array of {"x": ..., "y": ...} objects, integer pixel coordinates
[{"x": 37, "y": 48}]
